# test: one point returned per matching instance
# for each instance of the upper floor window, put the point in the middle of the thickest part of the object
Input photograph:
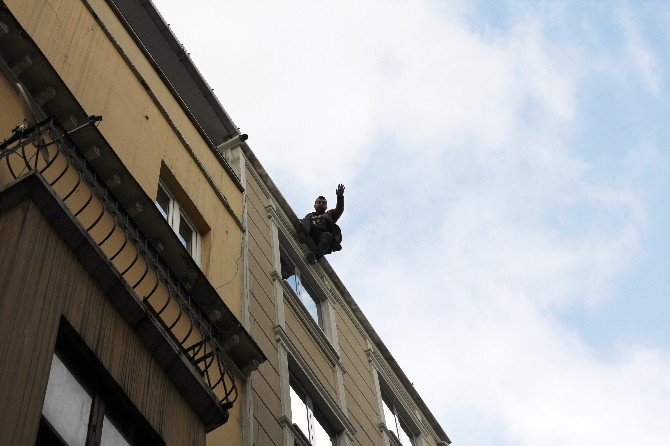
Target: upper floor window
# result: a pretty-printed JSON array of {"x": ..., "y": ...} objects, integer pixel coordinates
[
  {"x": 179, "y": 222},
  {"x": 394, "y": 422},
  {"x": 308, "y": 419},
  {"x": 293, "y": 277}
]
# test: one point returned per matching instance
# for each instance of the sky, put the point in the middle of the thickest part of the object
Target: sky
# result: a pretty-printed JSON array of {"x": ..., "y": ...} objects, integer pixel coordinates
[{"x": 506, "y": 167}]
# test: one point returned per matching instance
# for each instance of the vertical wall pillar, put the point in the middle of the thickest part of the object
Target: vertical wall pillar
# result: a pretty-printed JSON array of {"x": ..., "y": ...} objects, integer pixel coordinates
[
  {"x": 276, "y": 265},
  {"x": 285, "y": 395},
  {"x": 344, "y": 440},
  {"x": 378, "y": 394},
  {"x": 236, "y": 159},
  {"x": 248, "y": 412}
]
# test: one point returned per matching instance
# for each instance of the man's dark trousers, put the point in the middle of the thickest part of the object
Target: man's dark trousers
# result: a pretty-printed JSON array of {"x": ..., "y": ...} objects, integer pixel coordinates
[{"x": 322, "y": 239}]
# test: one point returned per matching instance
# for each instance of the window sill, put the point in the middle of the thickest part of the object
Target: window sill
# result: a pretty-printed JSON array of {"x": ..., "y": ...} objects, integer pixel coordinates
[
  {"x": 299, "y": 437},
  {"x": 390, "y": 435}
]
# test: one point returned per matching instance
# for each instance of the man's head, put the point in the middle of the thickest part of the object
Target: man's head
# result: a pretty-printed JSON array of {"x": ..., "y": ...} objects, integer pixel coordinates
[{"x": 320, "y": 205}]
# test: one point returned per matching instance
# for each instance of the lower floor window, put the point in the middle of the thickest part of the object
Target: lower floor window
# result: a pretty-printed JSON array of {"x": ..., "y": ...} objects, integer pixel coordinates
[
  {"x": 308, "y": 419},
  {"x": 73, "y": 415},
  {"x": 84, "y": 405},
  {"x": 395, "y": 424}
]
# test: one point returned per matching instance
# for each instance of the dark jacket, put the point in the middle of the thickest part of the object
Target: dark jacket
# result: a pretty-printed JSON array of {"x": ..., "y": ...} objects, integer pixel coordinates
[{"x": 331, "y": 216}]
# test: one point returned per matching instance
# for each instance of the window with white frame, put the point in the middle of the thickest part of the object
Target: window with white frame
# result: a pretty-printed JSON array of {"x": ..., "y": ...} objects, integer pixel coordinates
[
  {"x": 292, "y": 275},
  {"x": 179, "y": 222},
  {"x": 395, "y": 423},
  {"x": 308, "y": 419}
]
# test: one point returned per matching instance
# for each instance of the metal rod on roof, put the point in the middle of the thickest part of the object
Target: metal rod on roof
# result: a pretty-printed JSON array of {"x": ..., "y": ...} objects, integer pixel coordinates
[{"x": 232, "y": 142}]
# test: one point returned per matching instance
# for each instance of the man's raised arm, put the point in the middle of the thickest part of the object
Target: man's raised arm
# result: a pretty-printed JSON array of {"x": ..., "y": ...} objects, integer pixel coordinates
[{"x": 339, "y": 207}]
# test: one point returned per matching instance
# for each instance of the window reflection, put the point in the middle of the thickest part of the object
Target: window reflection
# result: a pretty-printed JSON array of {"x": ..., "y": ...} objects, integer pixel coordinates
[
  {"x": 304, "y": 418},
  {"x": 163, "y": 202},
  {"x": 394, "y": 423},
  {"x": 172, "y": 212},
  {"x": 67, "y": 405},
  {"x": 294, "y": 283},
  {"x": 111, "y": 435},
  {"x": 292, "y": 275},
  {"x": 185, "y": 233},
  {"x": 299, "y": 413},
  {"x": 389, "y": 418},
  {"x": 312, "y": 307},
  {"x": 403, "y": 435}
]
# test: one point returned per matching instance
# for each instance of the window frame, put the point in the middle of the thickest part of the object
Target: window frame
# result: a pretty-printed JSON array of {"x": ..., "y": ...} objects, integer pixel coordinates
[
  {"x": 174, "y": 216},
  {"x": 400, "y": 421},
  {"x": 98, "y": 414},
  {"x": 313, "y": 412},
  {"x": 293, "y": 366},
  {"x": 108, "y": 401},
  {"x": 320, "y": 304}
]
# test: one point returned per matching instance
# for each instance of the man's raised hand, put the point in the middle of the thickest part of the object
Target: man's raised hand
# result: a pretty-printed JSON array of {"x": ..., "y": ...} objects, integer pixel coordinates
[{"x": 340, "y": 190}]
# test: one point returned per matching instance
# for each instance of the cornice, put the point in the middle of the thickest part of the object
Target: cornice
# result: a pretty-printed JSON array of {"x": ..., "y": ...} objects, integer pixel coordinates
[
  {"x": 399, "y": 391},
  {"x": 256, "y": 177},
  {"x": 283, "y": 215},
  {"x": 276, "y": 216}
]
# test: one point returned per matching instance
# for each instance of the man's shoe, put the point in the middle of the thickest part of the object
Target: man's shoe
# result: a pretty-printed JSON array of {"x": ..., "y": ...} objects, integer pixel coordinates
[{"x": 311, "y": 258}]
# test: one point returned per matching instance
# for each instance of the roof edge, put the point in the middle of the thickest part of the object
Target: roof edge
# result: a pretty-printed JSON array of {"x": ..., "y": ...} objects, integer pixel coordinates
[{"x": 348, "y": 298}]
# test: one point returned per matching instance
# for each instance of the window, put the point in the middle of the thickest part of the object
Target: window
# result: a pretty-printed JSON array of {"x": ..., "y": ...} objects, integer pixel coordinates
[
  {"x": 308, "y": 419},
  {"x": 83, "y": 405},
  {"x": 293, "y": 277},
  {"x": 395, "y": 423},
  {"x": 73, "y": 416},
  {"x": 179, "y": 222},
  {"x": 67, "y": 404}
]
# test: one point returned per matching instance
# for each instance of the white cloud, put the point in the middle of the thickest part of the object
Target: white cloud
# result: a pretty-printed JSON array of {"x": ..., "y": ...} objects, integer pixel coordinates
[
  {"x": 466, "y": 204},
  {"x": 640, "y": 56}
]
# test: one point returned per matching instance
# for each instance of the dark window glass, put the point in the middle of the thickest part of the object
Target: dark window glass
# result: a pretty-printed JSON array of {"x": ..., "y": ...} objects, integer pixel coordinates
[{"x": 186, "y": 234}]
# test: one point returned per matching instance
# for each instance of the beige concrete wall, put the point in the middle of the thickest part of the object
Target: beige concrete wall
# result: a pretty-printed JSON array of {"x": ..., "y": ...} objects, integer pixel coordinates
[
  {"x": 30, "y": 310},
  {"x": 231, "y": 432},
  {"x": 148, "y": 130},
  {"x": 78, "y": 197},
  {"x": 360, "y": 392},
  {"x": 310, "y": 351},
  {"x": 10, "y": 117},
  {"x": 144, "y": 124},
  {"x": 266, "y": 399}
]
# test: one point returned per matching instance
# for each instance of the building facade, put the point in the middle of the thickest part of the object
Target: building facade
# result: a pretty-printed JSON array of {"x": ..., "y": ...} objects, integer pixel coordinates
[{"x": 153, "y": 288}]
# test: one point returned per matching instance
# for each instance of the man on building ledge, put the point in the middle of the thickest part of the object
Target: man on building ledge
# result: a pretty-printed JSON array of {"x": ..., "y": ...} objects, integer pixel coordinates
[{"x": 320, "y": 226}]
